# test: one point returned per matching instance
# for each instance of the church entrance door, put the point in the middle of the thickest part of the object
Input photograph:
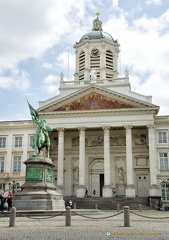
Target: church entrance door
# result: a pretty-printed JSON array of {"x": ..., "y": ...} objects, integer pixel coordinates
[{"x": 96, "y": 176}]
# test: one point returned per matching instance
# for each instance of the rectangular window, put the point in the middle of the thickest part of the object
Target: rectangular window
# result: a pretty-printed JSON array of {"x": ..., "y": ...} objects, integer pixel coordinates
[
  {"x": 1, "y": 164},
  {"x": 2, "y": 186},
  {"x": 163, "y": 161},
  {"x": 165, "y": 192},
  {"x": 162, "y": 137},
  {"x": 18, "y": 141},
  {"x": 2, "y": 142},
  {"x": 17, "y": 164},
  {"x": 31, "y": 141}
]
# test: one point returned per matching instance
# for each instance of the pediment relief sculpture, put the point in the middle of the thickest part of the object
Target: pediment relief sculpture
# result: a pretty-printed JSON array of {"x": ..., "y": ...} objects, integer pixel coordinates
[{"x": 94, "y": 101}]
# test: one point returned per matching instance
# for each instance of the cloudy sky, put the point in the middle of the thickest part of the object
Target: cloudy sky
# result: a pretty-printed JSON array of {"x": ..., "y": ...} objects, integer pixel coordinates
[{"x": 36, "y": 36}]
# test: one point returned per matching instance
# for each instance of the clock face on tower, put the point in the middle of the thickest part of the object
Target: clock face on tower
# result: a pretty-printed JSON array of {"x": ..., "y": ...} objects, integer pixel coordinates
[{"x": 95, "y": 52}]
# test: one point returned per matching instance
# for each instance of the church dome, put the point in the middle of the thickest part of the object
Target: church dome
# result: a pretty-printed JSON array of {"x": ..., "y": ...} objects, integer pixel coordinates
[
  {"x": 97, "y": 32},
  {"x": 96, "y": 35}
]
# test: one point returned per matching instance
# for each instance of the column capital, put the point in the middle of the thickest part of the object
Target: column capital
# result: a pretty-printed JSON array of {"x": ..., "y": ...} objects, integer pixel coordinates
[
  {"x": 150, "y": 127},
  {"x": 81, "y": 129},
  {"x": 128, "y": 128},
  {"x": 106, "y": 128},
  {"x": 60, "y": 129}
]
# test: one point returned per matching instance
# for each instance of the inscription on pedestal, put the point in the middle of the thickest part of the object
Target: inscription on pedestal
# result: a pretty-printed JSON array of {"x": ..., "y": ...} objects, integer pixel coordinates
[
  {"x": 33, "y": 174},
  {"x": 49, "y": 175}
]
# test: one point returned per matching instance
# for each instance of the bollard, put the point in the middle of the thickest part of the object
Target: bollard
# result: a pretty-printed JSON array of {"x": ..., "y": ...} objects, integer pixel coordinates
[
  {"x": 150, "y": 204},
  {"x": 126, "y": 216},
  {"x": 96, "y": 207},
  {"x": 12, "y": 217},
  {"x": 68, "y": 216},
  {"x": 163, "y": 208},
  {"x": 140, "y": 207},
  {"x": 118, "y": 207}
]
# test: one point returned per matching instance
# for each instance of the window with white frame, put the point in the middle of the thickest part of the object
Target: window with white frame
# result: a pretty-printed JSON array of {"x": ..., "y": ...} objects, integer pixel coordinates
[
  {"x": 18, "y": 141},
  {"x": 1, "y": 164},
  {"x": 162, "y": 137},
  {"x": 2, "y": 142},
  {"x": 165, "y": 191},
  {"x": 163, "y": 161},
  {"x": 17, "y": 164}
]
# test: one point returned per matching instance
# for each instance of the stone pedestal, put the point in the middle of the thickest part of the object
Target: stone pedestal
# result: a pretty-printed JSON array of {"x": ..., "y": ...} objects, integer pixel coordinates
[
  {"x": 130, "y": 191},
  {"x": 107, "y": 191},
  {"x": 38, "y": 191},
  {"x": 121, "y": 188}
]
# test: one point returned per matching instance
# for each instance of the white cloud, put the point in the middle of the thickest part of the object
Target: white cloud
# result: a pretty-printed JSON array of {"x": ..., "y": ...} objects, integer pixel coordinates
[
  {"x": 31, "y": 26},
  {"x": 115, "y": 3},
  {"x": 47, "y": 65},
  {"x": 50, "y": 84},
  {"x": 17, "y": 80},
  {"x": 156, "y": 2}
]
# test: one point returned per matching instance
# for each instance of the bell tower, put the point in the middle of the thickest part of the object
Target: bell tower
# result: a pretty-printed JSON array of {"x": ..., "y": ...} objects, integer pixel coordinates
[{"x": 96, "y": 55}]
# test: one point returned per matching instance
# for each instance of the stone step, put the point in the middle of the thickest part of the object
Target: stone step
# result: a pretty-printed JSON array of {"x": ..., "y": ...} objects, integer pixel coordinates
[{"x": 109, "y": 203}]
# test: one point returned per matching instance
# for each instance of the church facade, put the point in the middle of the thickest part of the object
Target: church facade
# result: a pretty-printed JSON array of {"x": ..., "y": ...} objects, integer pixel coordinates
[{"x": 105, "y": 137}]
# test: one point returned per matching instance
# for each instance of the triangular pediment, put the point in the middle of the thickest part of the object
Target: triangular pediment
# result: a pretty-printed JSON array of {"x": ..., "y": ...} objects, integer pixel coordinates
[
  {"x": 93, "y": 101},
  {"x": 95, "y": 98}
]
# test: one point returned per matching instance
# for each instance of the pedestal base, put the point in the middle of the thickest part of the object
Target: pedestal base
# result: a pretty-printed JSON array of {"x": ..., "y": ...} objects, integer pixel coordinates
[
  {"x": 39, "y": 192},
  {"x": 121, "y": 188},
  {"x": 39, "y": 201},
  {"x": 107, "y": 191},
  {"x": 130, "y": 191}
]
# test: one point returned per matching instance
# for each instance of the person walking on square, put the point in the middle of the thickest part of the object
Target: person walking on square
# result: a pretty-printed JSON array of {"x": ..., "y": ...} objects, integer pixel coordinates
[
  {"x": 3, "y": 199},
  {"x": 9, "y": 201},
  {"x": 86, "y": 193},
  {"x": 94, "y": 193}
]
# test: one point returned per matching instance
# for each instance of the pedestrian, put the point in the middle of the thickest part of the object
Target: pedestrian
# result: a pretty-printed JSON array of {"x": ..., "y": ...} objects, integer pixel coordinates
[
  {"x": 3, "y": 199},
  {"x": 86, "y": 193},
  {"x": 9, "y": 201},
  {"x": 94, "y": 193},
  {"x": 70, "y": 203},
  {"x": 67, "y": 203}
]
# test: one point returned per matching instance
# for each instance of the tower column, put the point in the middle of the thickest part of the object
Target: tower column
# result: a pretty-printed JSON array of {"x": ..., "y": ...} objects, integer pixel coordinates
[
  {"x": 130, "y": 189},
  {"x": 153, "y": 191},
  {"x": 60, "y": 175},
  {"x": 107, "y": 189},
  {"x": 81, "y": 188}
]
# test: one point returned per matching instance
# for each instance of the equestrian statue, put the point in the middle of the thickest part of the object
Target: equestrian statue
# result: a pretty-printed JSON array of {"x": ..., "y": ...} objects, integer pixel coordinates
[{"x": 41, "y": 138}]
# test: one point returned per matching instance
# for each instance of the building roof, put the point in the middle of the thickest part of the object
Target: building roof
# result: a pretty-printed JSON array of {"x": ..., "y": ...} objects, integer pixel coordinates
[{"x": 97, "y": 32}]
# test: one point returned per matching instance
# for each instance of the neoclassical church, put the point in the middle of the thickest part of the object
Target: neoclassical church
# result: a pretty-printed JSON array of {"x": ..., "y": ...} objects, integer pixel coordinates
[{"x": 105, "y": 136}]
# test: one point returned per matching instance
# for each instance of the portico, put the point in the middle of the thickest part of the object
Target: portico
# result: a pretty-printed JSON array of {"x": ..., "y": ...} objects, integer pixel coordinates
[{"x": 104, "y": 158}]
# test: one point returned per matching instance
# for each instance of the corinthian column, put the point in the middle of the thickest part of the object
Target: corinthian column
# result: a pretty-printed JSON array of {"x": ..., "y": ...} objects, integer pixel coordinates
[
  {"x": 81, "y": 187},
  {"x": 107, "y": 189},
  {"x": 153, "y": 191},
  {"x": 60, "y": 176},
  {"x": 130, "y": 190}
]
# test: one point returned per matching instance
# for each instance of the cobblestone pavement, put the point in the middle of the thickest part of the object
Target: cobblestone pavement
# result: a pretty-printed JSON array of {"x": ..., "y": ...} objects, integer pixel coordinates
[{"x": 146, "y": 225}]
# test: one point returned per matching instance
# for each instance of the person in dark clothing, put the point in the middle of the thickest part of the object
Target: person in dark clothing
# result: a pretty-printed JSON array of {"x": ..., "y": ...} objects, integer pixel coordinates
[
  {"x": 9, "y": 201},
  {"x": 3, "y": 199},
  {"x": 86, "y": 193}
]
